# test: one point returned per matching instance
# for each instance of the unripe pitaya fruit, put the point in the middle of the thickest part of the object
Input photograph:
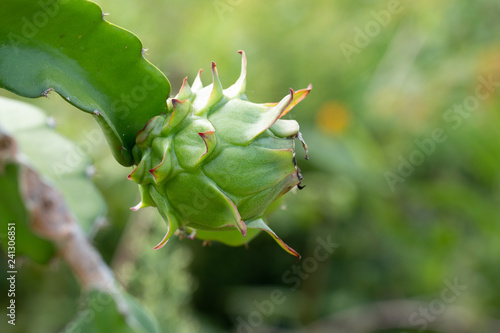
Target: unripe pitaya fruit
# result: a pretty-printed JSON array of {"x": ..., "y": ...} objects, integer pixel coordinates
[{"x": 216, "y": 161}]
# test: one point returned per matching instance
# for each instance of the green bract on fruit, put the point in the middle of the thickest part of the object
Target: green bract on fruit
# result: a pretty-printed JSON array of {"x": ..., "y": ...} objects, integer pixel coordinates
[{"x": 216, "y": 161}]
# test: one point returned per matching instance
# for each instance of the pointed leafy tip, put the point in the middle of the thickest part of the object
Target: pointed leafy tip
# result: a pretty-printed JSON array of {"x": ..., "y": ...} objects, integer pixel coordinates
[
  {"x": 243, "y": 61},
  {"x": 162, "y": 170},
  {"x": 154, "y": 171},
  {"x": 217, "y": 90},
  {"x": 298, "y": 96},
  {"x": 197, "y": 84},
  {"x": 166, "y": 212},
  {"x": 260, "y": 224},
  {"x": 146, "y": 200},
  {"x": 137, "y": 207},
  {"x": 240, "y": 224},
  {"x": 185, "y": 91},
  {"x": 135, "y": 175},
  {"x": 210, "y": 142},
  {"x": 180, "y": 110},
  {"x": 144, "y": 137},
  {"x": 242, "y": 227},
  {"x": 239, "y": 86},
  {"x": 140, "y": 170},
  {"x": 238, "y": 123},
  {"x": 283, "y": 105},
  {"x": 140, "y": 205},
  {"x": 163, "y": 241}
]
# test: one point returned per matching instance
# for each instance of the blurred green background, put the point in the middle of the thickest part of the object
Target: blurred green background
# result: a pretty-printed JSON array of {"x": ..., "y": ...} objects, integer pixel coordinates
[{"x": 402, "y": 127}]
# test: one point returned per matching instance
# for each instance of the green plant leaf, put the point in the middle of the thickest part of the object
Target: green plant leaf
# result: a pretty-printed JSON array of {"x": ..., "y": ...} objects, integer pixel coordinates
[{"x": 67, "y": 46}]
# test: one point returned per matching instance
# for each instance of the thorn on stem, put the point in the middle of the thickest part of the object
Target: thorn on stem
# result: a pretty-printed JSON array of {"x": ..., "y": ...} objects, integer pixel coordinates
[{"x": 46, "y": 92}]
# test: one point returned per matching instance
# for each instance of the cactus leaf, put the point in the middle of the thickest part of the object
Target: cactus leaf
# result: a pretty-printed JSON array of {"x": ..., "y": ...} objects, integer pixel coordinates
[{"x": 68, "y": 47}]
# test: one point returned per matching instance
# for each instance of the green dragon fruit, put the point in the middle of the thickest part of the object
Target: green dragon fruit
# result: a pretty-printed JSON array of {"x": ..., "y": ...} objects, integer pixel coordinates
[{"x": 214, "y": 164}]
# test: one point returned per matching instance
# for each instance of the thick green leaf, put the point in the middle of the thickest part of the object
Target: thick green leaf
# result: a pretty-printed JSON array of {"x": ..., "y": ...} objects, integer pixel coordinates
[
  {"x": 102, "y": 315},
  {"x": 67, "y": 46}
]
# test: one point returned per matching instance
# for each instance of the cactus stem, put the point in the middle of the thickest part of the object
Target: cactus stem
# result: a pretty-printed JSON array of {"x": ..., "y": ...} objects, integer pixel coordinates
[{"x": 45, "y": 93}]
